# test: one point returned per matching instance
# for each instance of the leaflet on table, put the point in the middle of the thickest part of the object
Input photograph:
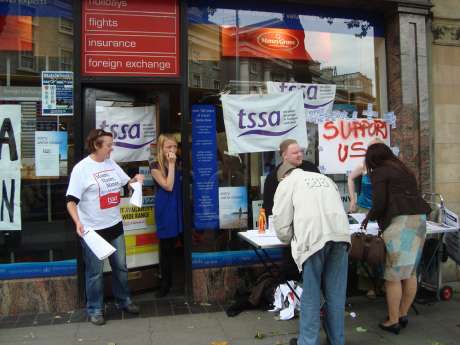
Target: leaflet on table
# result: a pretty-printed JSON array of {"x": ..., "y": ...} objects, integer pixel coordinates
[{"x": 100, "y": 247}]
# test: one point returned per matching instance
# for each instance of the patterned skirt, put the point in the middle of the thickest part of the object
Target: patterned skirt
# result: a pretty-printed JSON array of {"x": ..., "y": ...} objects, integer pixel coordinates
[{"x": 404, "y": 239}]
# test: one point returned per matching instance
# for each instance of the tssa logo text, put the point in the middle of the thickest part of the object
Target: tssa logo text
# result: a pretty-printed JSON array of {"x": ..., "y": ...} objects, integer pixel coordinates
[
  {"x": 254, "y": 119},
  {"x": 123, "y": 131}
]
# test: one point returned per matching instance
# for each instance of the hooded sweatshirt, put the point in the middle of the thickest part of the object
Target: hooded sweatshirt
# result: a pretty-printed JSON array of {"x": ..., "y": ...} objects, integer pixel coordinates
[{"x": 308, "y": 212}]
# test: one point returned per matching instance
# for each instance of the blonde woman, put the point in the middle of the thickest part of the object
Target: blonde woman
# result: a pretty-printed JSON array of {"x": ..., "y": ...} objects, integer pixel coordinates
[{"x": 168, "y": 206}]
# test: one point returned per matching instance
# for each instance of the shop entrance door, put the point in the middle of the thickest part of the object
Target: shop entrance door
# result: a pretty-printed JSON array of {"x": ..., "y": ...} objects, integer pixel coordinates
[{"x": 136, "y": 115}]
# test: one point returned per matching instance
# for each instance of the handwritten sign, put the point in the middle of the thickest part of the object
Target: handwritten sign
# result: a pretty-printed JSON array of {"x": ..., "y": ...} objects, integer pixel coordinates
[
  {"x": 10, "y": 167},
  {"x": 343, "y": 143}
]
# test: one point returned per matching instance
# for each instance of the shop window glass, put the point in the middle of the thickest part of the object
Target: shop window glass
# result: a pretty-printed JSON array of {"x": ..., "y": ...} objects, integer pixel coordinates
[
  {"x": 35, "y": 36},
  {"x": 344, "y": 47}
]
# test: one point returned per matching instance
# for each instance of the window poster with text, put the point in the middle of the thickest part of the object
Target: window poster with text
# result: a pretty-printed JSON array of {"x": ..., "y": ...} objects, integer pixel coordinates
[
  {"x": 204, "y": 162},
  {"x": 343, "y": 143},
  {"x": 233, "y": 207},
  {"x": 10, "y": 167}
]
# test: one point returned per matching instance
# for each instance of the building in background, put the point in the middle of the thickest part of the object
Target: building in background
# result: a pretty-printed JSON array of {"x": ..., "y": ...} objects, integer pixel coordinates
[{"x": 445, "y": 74}]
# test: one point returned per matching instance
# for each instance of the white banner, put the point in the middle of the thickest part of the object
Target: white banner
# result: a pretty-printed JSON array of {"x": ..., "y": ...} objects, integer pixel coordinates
[
  {"x": 318, "y": 98},
  {"x": 10, "y": 167},
  {"x": 133, "y": 129},
  {"x": 342, "y": 144},
  {"x": 257, "y": 123}
]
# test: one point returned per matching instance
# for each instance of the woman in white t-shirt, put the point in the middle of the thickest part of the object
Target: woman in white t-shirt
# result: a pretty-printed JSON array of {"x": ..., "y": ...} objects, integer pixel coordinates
[{"x": 93, "y": 198}]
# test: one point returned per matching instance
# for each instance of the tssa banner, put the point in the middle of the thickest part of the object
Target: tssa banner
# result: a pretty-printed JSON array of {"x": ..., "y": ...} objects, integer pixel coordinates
[
  {"x": 10, "y": 167},
  {"x": 318, "y": 98},
  {"x": 342, "y": 144},
  {"x": 252, "y": 119},
  {"x": 133, "y": 129}
]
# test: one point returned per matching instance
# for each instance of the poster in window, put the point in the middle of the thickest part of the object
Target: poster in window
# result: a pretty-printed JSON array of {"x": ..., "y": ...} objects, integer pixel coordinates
[
  {"x": 44, "y": 139},
  {"x": 57, "y": 93},
  {"x": 233, "y": 207},
  {"x": 10, "y": 167}
]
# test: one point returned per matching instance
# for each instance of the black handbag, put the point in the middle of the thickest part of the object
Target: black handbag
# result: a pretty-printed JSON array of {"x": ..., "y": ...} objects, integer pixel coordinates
[{"x": 368, "y": 248}]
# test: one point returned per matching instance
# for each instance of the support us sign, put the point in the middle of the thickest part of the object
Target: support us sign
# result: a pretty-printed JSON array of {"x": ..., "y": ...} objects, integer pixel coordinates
[
  {"x": 10, "y": 167},
  {"x": 343, "y": 143},
  {"x": 133, "y": 130},
  {"x": 258, "y": 123}
]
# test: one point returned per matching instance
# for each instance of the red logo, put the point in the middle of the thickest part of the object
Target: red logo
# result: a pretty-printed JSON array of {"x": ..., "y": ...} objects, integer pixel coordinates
[
  {"x": 277, "y": 40},
  {"x": 109, "y": 200}
]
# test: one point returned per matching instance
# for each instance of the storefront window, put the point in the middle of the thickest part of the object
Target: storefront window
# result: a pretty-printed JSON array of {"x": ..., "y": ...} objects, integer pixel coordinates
[
  {"x": 36, "y": 38},
  {"x": 236, "y": 48}
]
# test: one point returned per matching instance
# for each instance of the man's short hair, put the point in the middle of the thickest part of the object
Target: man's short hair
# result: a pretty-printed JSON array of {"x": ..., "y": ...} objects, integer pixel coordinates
[{"x": 285, "y": 144}]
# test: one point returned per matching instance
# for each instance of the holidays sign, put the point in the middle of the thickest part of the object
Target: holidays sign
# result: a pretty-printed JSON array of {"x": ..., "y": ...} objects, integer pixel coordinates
[
  {"x": 133, "y": 130},
  {"x": 258, "y": 123},
  {"x": 318, "y": 98},
  {"x": 10, "y": 167},
  {"x": 343, "y": 143}
]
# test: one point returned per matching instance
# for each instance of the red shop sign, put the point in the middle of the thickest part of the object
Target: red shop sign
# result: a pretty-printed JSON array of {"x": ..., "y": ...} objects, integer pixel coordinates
[
  {"x": 130, "y": 37},
  {"x": 264, "y": 43}
]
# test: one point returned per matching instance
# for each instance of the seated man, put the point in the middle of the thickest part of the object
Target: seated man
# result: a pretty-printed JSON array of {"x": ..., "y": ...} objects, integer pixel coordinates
[{"x": 308, "y": 213}]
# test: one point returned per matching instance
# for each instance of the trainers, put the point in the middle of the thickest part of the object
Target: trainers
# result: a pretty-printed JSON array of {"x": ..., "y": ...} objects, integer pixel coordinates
[
  {"x": 293, "y": 341},
  {"x": 131, "y": 309},
  {"x": 97, "y": 320}
]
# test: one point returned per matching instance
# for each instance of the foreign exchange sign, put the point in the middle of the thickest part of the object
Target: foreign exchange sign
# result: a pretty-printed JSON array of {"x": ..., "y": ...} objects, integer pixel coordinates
[{"x": 131, "y": 38}]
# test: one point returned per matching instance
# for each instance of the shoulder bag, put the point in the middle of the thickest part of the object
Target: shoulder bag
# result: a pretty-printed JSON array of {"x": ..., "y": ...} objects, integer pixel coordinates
[{"x": 368, "y": 248}]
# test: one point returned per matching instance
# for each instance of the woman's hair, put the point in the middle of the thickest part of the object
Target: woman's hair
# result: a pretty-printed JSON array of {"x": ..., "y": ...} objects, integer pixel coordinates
[
  {"x": 95, "y": 138},
  {"x": 160, "y": 153},
  {"x": 379, "y": 155}
]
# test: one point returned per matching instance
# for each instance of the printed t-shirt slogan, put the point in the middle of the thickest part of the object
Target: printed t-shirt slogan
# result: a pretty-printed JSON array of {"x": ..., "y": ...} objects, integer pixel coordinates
[
  {"x": 109, "y": 188},
  {"x": 249, "y": 119}
]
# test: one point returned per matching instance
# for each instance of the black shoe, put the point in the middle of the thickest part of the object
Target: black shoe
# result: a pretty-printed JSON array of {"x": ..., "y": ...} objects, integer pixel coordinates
[
  {"x": 293, "y": 341},
  {"x": 394, "y": 328},
  {"x": 97, "y": 320},
  {"x": 403, "y": 321},
  {"x": 131, "y": 309}
]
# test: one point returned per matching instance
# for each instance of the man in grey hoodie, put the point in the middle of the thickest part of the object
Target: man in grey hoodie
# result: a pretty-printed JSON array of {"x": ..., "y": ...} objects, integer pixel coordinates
[{"x": 308, "y": 213}]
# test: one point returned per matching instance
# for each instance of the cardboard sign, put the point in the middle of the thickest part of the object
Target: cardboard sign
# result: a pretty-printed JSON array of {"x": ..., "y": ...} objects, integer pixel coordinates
[{"x": 343, "y": 143}]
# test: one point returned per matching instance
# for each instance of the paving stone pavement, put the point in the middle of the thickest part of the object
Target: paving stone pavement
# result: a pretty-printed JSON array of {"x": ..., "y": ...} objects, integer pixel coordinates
[{"x": 437, "y": 324}]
